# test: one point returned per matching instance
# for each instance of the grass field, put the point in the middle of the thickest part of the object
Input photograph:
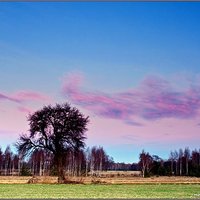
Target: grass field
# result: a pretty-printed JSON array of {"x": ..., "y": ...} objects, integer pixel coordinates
[{"x": 99, "y": 191}]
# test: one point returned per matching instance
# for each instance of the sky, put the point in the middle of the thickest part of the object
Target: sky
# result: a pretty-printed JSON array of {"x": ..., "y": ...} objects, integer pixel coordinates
[{"x": 132, "y": 67}]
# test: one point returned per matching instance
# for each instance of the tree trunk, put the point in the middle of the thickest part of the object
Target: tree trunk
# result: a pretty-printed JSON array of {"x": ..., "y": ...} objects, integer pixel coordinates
[
  {"x": 143, "y": 169},
  {"x": 79, "y": 167},
  {"x": 187, "y": 166},
  {"x": 143, "y": 172},
  {"x": 6, "y": 168},
  {"x": 40, "y": 169},
  {"x": 86, "y": 168},
  {"x": 60, "y": 169},
  {"x": 100, "y": 164},
  {"x": 176, "y": 167},
  {"x": 19, "y": 166},
  {"x": 13, "y": 168},
  {"x": 172, "y": 169}
]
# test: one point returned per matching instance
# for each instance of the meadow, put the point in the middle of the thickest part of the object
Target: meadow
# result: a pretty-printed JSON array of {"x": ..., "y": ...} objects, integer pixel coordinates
[
  {"x": 99, "y": 191},
  {"x": 89, "y": 187}
]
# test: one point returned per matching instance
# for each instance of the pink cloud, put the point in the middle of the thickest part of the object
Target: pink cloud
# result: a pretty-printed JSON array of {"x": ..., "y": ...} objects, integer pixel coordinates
[
  {"x": 24, "y": 96},
  {"x": 30, "y": 96},
  {"x": 9, "y": 98},
  {"x": 153, "y": 99},
  {"x": 21, "y": 98},
  {"x": 24, "y": 110}
]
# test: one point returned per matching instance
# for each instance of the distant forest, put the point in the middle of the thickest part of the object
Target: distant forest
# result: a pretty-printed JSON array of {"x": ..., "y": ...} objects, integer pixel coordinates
[
  {"x": 92, "y": 161},
  {"x": 55, "y": 146}
]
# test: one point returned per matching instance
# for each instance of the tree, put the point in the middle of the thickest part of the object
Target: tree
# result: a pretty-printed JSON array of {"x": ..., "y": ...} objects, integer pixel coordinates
[
  {"x": 176, "y": 161},
  {"x": 187, "y": 157},
  {"x": 1, "y": 161},
  {"x": 145, "y": 163},
  {"x": 57, "y": 129},
  {"x": 180, "y": 161},
  {"x": 157, "y": 166},
  {"x": 7, "y": 160},
  {"x": 172, "y": 158}
]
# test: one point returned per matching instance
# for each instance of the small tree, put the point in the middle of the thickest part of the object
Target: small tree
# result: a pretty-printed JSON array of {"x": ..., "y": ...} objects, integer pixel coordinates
[
  {"x": 180, "y": 162},
  {"x": 172, "y": 158},
  {"x": 145, "y": 163},
  {"x": 187, "y": 157},
  {"x": 56, "y": 129}
]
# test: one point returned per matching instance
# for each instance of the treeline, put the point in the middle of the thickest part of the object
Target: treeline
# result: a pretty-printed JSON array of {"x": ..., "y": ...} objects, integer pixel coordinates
[
  {"x": 91, "y": 161},
  {"x": 180, "y": 163},
  {"x": 41, "y": 162}
]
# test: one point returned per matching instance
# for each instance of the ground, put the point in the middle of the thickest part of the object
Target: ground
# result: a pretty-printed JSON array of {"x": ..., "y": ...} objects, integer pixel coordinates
[{"x": 105, "y": 180}]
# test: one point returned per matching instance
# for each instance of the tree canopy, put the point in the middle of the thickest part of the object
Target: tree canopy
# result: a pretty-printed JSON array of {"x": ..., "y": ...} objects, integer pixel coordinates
[{"x": 57, "y": 129}]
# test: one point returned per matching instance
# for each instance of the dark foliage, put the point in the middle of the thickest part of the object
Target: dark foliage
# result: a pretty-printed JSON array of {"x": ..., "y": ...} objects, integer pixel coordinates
[{"x": 58, "y": 130}]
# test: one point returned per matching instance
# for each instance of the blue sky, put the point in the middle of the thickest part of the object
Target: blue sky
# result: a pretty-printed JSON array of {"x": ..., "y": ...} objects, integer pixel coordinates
[{"x": 83, "y": 51}]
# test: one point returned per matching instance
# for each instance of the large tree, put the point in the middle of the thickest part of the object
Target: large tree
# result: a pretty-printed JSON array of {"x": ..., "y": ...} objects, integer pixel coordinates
[{"x": 57, "y": 129}]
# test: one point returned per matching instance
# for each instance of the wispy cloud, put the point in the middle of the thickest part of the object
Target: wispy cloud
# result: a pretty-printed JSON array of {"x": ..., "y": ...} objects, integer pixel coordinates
[
  {"x": 23, "y": 96},
  {"x": 23, "y": 109},
  {"x": 153, "y": 99},
  {"x": 4, "y": 97}
]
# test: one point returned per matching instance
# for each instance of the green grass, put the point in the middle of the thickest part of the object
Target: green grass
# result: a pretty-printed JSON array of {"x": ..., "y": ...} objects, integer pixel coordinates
[{"x": 98, "y": 191}]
